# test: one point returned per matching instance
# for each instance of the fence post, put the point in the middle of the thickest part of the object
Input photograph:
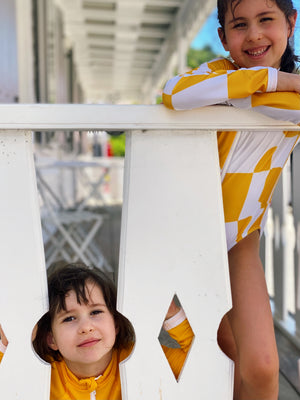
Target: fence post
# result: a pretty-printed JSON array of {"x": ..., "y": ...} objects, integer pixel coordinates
[
  {"x": 173, "y": 241},
  {"x": 23, "y": 288}
]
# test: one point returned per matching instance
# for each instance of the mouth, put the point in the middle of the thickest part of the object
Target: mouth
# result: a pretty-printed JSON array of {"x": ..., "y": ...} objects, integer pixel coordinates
[
  {"x": 89, "y": 343},
  {"x": 257, "y": 52}
]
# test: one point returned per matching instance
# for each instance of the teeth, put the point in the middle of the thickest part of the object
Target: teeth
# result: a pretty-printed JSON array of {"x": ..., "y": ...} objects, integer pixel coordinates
[{"x": 257, "y": 53}]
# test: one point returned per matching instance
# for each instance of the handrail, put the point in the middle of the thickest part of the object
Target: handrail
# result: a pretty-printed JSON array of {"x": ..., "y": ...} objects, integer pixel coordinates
[{"x": 127, "y": 117}]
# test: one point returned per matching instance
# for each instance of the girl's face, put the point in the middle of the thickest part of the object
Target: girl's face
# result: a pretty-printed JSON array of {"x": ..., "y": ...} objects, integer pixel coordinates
[
  {"x": 257, "y": 34},
  {"x": 84, "y": 334}
]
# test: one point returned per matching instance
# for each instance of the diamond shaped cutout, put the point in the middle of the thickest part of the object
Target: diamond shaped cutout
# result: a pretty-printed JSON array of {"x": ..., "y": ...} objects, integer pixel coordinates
[
  {"x": 3, "y": 343},
  {"x": 176, "y": 337}
]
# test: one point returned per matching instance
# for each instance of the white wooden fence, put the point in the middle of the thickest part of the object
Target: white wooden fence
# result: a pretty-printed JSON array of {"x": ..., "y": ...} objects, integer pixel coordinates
[{"x": 172, "y": 241}]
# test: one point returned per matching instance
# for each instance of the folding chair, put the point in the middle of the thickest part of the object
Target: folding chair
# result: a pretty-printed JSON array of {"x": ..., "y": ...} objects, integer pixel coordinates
[
  {"x": 69, "y": 233},
  {"x": 94, "y": 186}
]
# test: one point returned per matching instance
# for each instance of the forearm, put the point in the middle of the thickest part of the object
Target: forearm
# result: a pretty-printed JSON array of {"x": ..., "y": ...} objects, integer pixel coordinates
[
  {"x": 179, "y": 329},
  {"x": 287, "y": 82}
]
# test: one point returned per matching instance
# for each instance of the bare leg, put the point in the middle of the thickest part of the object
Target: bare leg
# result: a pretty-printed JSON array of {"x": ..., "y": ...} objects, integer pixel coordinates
[{"x": 246, "y": 333}]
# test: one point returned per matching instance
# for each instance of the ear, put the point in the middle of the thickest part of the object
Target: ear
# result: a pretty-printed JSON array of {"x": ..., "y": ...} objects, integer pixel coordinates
[
  {"x": 222, "y": 37},
  {"x": 51, "y": 341},
  {"x": 292, "y": 21}
]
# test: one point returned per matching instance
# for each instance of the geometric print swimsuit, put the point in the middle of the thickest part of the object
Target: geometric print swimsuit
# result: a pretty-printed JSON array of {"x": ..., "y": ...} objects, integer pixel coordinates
[
  {"x": 249, "y": 176},
  {"x": 250, "y": 162}
]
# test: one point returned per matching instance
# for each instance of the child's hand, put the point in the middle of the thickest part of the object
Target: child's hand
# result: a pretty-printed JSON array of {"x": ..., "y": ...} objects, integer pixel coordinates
[
  {"x": 288, "y": 82},
  {"x": 173, "y": 309},
  {"x": 3, "y": 337}
]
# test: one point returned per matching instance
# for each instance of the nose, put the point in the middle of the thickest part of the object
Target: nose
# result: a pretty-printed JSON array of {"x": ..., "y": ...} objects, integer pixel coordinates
[
  {"x": 85, "y": 326},
  {"x": 254, "y": 32}
]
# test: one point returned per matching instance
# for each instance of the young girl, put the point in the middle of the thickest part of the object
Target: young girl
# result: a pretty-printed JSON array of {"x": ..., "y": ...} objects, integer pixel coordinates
[
  {"x": 85, "y": 338},
  {"x": 256, "y": 33}
]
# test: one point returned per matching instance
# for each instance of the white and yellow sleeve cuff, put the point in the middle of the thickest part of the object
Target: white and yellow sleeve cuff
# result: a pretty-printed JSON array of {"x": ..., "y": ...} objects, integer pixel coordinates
[
  {"x": 272, "y": 79},
  {"x": 175, "y": 320},
  {"x": 2, "y": 347}
]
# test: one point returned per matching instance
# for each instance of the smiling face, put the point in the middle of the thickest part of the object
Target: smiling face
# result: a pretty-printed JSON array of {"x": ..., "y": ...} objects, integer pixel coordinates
[
  {"x": 257, "y": 33},
  {"x": 84, "y": 334}
]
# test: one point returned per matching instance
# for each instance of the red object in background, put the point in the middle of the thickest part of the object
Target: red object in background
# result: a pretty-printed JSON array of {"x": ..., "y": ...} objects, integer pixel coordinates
[{"x": 109, "y": 150}]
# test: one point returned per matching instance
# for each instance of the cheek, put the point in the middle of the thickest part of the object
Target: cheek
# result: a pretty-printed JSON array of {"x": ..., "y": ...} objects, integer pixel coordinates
[
  {"x": 61, "y": 335},
  {"x": 234, "y": 44},
  {"x": 280, "y": 35},
  {"x": 113, "y": 329}
]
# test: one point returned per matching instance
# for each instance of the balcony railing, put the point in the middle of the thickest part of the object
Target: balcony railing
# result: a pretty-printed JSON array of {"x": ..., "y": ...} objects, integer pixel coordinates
[{"x": 172, "y": 242}]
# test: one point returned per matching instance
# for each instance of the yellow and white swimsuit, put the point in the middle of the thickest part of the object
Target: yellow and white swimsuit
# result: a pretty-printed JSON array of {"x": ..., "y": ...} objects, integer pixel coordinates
[{"x": 250, "y": 162}]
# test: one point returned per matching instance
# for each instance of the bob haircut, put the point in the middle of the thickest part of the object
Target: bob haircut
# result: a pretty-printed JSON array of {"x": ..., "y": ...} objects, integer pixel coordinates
[
  {"x": 288, "y": 59},
  {"x": 75, "y": 276}
]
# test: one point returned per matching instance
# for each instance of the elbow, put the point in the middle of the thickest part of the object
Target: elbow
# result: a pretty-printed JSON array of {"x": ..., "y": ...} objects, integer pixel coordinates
[{"x": 167, "y": 100}]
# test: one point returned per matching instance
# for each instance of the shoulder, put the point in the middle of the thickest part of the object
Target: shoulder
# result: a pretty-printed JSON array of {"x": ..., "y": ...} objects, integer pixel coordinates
[{"x": 221, "y": 64}]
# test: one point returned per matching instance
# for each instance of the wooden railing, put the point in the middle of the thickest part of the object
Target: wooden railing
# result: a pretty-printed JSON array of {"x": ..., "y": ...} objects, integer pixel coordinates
[{"x": 172, "y": 242}]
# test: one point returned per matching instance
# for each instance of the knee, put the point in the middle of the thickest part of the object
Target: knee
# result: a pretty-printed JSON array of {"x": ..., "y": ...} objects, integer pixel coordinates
[
  {"x": 228, "y": 346},
  {"x": 261, "y": 372}
]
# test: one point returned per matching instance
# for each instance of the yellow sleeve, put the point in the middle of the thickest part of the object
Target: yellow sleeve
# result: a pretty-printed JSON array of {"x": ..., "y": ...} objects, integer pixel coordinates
[
  {"x": 283, "y": 106},
  {"x": 184, "y": 335},
  {"x": 217, "y": 82},
  {"x": 1, "y": 356}
]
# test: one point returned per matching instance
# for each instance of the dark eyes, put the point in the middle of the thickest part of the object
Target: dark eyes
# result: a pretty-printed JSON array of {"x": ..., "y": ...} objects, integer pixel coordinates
[
  {"x": 72, "y": 318},
  {"x": 239, "y": 25},
  {"x": 96, "y": 312},
  {"x": 243, "y": 25},
  {"x": 68, "y": 319},
  {"x": 266, "y": 19}
]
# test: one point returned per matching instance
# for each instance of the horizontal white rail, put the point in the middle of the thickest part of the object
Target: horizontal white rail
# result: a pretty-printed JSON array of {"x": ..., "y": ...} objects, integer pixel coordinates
[{"x": 127, "y": 117}]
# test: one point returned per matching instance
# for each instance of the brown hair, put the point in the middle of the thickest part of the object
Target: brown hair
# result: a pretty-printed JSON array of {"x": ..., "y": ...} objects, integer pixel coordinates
[{"x": 74, "y": 277}]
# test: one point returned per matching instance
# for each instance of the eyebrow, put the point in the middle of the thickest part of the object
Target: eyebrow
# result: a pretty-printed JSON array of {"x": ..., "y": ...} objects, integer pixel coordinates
[
  {"x": 233, "y": 20},
  {"x": 72, "y": 310}
]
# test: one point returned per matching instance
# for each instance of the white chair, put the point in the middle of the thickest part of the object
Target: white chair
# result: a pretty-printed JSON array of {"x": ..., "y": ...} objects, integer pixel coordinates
[
  {"x": 69, "y": 233},
  {"x": 93, "y": 191}
]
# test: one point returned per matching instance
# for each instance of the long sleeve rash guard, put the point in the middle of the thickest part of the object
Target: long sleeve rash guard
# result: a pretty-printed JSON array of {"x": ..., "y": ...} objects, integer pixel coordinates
[{"x": 250, "y": 162}]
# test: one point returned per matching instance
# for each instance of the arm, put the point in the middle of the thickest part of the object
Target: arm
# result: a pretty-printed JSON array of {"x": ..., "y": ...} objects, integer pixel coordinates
[
  {"x": 3, "y": 338},
  {"x": 173, "y": 310},
  {"x": 288, "y": 82},
  {"x": 179, "y": 329},
  {"x": 257, "y": 88},
  {"x": 3, "y": 343},
  {"x": 217, "y": 82},
  {"x": 284, "y": 104}
]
